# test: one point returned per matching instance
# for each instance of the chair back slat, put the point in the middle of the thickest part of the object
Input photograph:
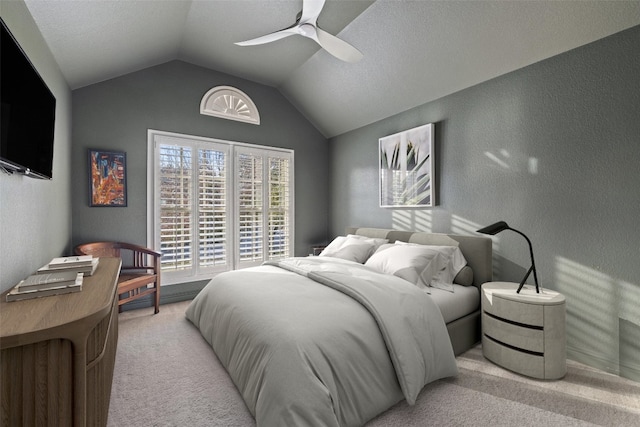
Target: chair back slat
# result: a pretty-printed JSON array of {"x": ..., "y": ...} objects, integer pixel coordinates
[{"x": 138, "y": 259}]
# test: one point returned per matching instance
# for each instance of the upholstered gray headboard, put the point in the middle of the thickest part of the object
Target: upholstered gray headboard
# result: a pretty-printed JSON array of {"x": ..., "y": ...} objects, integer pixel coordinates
[{"x": 477, "y": 250}]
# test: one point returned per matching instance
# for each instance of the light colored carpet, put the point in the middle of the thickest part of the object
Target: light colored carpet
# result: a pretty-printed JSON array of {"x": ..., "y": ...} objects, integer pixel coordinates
[{"x": 167, "y": 375}]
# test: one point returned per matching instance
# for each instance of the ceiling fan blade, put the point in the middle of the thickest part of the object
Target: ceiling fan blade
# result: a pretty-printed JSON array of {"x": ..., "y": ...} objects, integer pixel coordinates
[
  {"x": 337, "y": 47},
  {"x": 310, "y": 10},
  {"x": 270, "y": 37}
]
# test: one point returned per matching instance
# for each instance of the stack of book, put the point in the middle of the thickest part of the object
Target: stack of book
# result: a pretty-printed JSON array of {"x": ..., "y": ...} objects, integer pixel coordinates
[
  {"x": 42, "y": 285},
  {"x": 85, "y": 264}
]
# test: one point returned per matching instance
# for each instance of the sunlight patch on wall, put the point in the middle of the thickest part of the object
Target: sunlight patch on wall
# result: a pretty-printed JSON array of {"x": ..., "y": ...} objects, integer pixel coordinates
[
  {"x": 504, "y": 159},
  {"x": 629, "y": 350},
  {"x": 592, "y": 298},
  {"x": 412, "y": 219},
  {"x": 501, "y": 159},
  {"x": 460, "y": 225},
  {"x": 629, "y": 330},
  {"x": 629, "y": 302}
]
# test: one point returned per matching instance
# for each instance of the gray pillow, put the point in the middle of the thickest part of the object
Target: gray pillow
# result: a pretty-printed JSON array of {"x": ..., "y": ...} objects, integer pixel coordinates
[{"x": 464, "y": 276}]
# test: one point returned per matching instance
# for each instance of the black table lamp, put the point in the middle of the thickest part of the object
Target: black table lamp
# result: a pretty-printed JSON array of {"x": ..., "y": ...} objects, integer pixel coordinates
[{"x": 501, "y": 226}]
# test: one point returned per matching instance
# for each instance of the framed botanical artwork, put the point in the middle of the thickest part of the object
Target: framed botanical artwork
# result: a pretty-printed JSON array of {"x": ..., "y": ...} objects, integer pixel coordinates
[
  {"x": 407, "y": 177},
  {"x": 108, "y": 178}
]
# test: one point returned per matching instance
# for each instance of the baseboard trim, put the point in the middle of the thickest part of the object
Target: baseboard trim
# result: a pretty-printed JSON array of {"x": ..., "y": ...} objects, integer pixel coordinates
[
  {"x": 169, "y": 294},
  {"x": 622, "y": 370}
]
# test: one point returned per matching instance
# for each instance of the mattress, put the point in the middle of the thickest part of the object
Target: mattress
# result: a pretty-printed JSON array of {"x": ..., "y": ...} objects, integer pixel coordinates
[{"x": 454, "y": 305}]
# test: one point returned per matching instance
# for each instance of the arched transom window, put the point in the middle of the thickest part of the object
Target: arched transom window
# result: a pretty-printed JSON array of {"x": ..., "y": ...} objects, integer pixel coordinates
[{"x": 229, "y": 103}]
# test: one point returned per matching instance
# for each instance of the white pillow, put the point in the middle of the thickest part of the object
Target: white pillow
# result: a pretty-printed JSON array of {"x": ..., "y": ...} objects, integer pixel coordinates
[
  {"x": 444, "y": 278},
  {"x": 349, "y": 248},
  {"x": 335, "y": 244},
  {"x": 415, "y": 263},
  {"x": 450, "y": 262}
]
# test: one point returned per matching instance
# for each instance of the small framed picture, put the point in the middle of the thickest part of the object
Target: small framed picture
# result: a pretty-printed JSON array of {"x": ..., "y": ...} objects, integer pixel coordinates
[{"x": 108, "y": 178}]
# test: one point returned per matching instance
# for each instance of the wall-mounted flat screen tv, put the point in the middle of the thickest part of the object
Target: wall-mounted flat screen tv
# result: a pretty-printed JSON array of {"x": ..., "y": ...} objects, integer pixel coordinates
[{"x": 28, "y": 112}]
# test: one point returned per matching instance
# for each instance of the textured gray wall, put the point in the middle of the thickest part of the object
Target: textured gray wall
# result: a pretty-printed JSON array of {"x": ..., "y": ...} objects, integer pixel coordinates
[
  {"x": 115, "y": 115},
  {"x": 553, "y": 149},
  {"x": 35, "y": 215}
]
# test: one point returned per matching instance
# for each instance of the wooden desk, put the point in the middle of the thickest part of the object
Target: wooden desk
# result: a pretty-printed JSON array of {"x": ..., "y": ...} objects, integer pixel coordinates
[{"x": 58, "y": 354}]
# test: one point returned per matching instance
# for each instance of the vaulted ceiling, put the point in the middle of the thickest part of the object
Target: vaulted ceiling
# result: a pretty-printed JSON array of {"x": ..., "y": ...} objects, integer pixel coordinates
[{"x": 414, "y": 51}]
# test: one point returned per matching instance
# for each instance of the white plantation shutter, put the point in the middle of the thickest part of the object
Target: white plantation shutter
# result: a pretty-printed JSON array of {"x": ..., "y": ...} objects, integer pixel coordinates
[
  {"x": 279, "y": 207},
  {"x": 176, "y": 186},
  {"x": 212, "y": 208},
  {"x": 264, "y": 189},
  {"x": 250, "y": 191},
  {"x": 210, "y": 214}
]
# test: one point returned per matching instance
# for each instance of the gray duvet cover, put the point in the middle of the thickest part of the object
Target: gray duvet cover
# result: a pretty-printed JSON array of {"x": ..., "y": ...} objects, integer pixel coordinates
[{"x": 319, "y": 341}]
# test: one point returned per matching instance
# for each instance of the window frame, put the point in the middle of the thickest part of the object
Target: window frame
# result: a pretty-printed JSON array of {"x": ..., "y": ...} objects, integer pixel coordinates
[{"x": 196, "y": 272}]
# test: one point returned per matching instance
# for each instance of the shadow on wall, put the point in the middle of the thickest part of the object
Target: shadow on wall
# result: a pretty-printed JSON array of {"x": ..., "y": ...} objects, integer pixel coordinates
[{"x": 593, "y": 335}]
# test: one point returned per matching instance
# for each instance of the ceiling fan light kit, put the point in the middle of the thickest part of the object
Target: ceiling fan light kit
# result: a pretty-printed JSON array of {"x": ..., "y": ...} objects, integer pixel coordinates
[
  {"x": 307, "y": 26},
  {"x": 307, "y": 30}
]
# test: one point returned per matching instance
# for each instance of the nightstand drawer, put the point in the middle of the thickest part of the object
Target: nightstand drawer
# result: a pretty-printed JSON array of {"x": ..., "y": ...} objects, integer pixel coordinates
[
  {"x": 513, "y": 335},
  {"x": 514, "y": 360},
  {"x": 528, "y": 314}
]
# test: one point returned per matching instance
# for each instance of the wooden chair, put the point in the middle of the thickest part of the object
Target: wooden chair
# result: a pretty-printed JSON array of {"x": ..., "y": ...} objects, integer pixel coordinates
[{"x": 136, "y": 274}]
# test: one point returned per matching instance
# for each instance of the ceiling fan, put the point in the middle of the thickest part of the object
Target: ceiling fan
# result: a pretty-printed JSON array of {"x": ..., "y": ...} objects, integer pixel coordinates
[{"x": 306, "y": 25}]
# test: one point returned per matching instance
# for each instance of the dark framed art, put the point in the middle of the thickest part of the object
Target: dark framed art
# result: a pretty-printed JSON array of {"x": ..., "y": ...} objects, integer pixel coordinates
[{"x": 108, "y": 178}]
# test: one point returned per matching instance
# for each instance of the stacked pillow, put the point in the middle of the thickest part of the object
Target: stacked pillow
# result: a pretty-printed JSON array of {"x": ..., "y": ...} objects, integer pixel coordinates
[
  {"x": 426, "y": 266},
  {"x": 423, "y": 265},
  {"x": 452, "y": 263},
  {"x": 353, "y": 248}
]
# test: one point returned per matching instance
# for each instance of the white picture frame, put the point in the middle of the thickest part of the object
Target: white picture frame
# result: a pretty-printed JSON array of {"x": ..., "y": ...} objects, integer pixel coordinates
[{"x": 407, "y": 168}]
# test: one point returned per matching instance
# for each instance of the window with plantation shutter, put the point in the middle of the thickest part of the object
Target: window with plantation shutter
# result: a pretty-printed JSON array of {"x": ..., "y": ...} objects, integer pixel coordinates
[
  {"x": 263, "y": 204},
  {"x": 217, "y": 205},
  {"x": 192, "y": 205}
]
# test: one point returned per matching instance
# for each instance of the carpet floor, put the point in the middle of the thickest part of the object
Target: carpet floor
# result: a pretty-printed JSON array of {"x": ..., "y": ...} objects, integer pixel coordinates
[{"x": 167, "y": 375}]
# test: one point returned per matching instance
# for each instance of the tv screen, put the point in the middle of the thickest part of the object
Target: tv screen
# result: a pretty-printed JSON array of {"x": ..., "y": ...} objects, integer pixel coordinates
[{"x": 28, "y": 113}]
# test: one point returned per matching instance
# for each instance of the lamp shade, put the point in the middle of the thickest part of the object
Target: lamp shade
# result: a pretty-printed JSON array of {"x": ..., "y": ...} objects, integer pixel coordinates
[{"x": 494, "y": 228}]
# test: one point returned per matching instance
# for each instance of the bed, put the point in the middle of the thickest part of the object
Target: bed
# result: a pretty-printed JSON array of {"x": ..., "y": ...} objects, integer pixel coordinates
[
  {"x": 464, "y": 329},
  {"x": 330, "y": 341}
]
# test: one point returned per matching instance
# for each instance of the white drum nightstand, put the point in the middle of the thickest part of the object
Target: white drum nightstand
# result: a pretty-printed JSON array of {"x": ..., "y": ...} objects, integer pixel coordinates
[{"x": 524, "y": 332}]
